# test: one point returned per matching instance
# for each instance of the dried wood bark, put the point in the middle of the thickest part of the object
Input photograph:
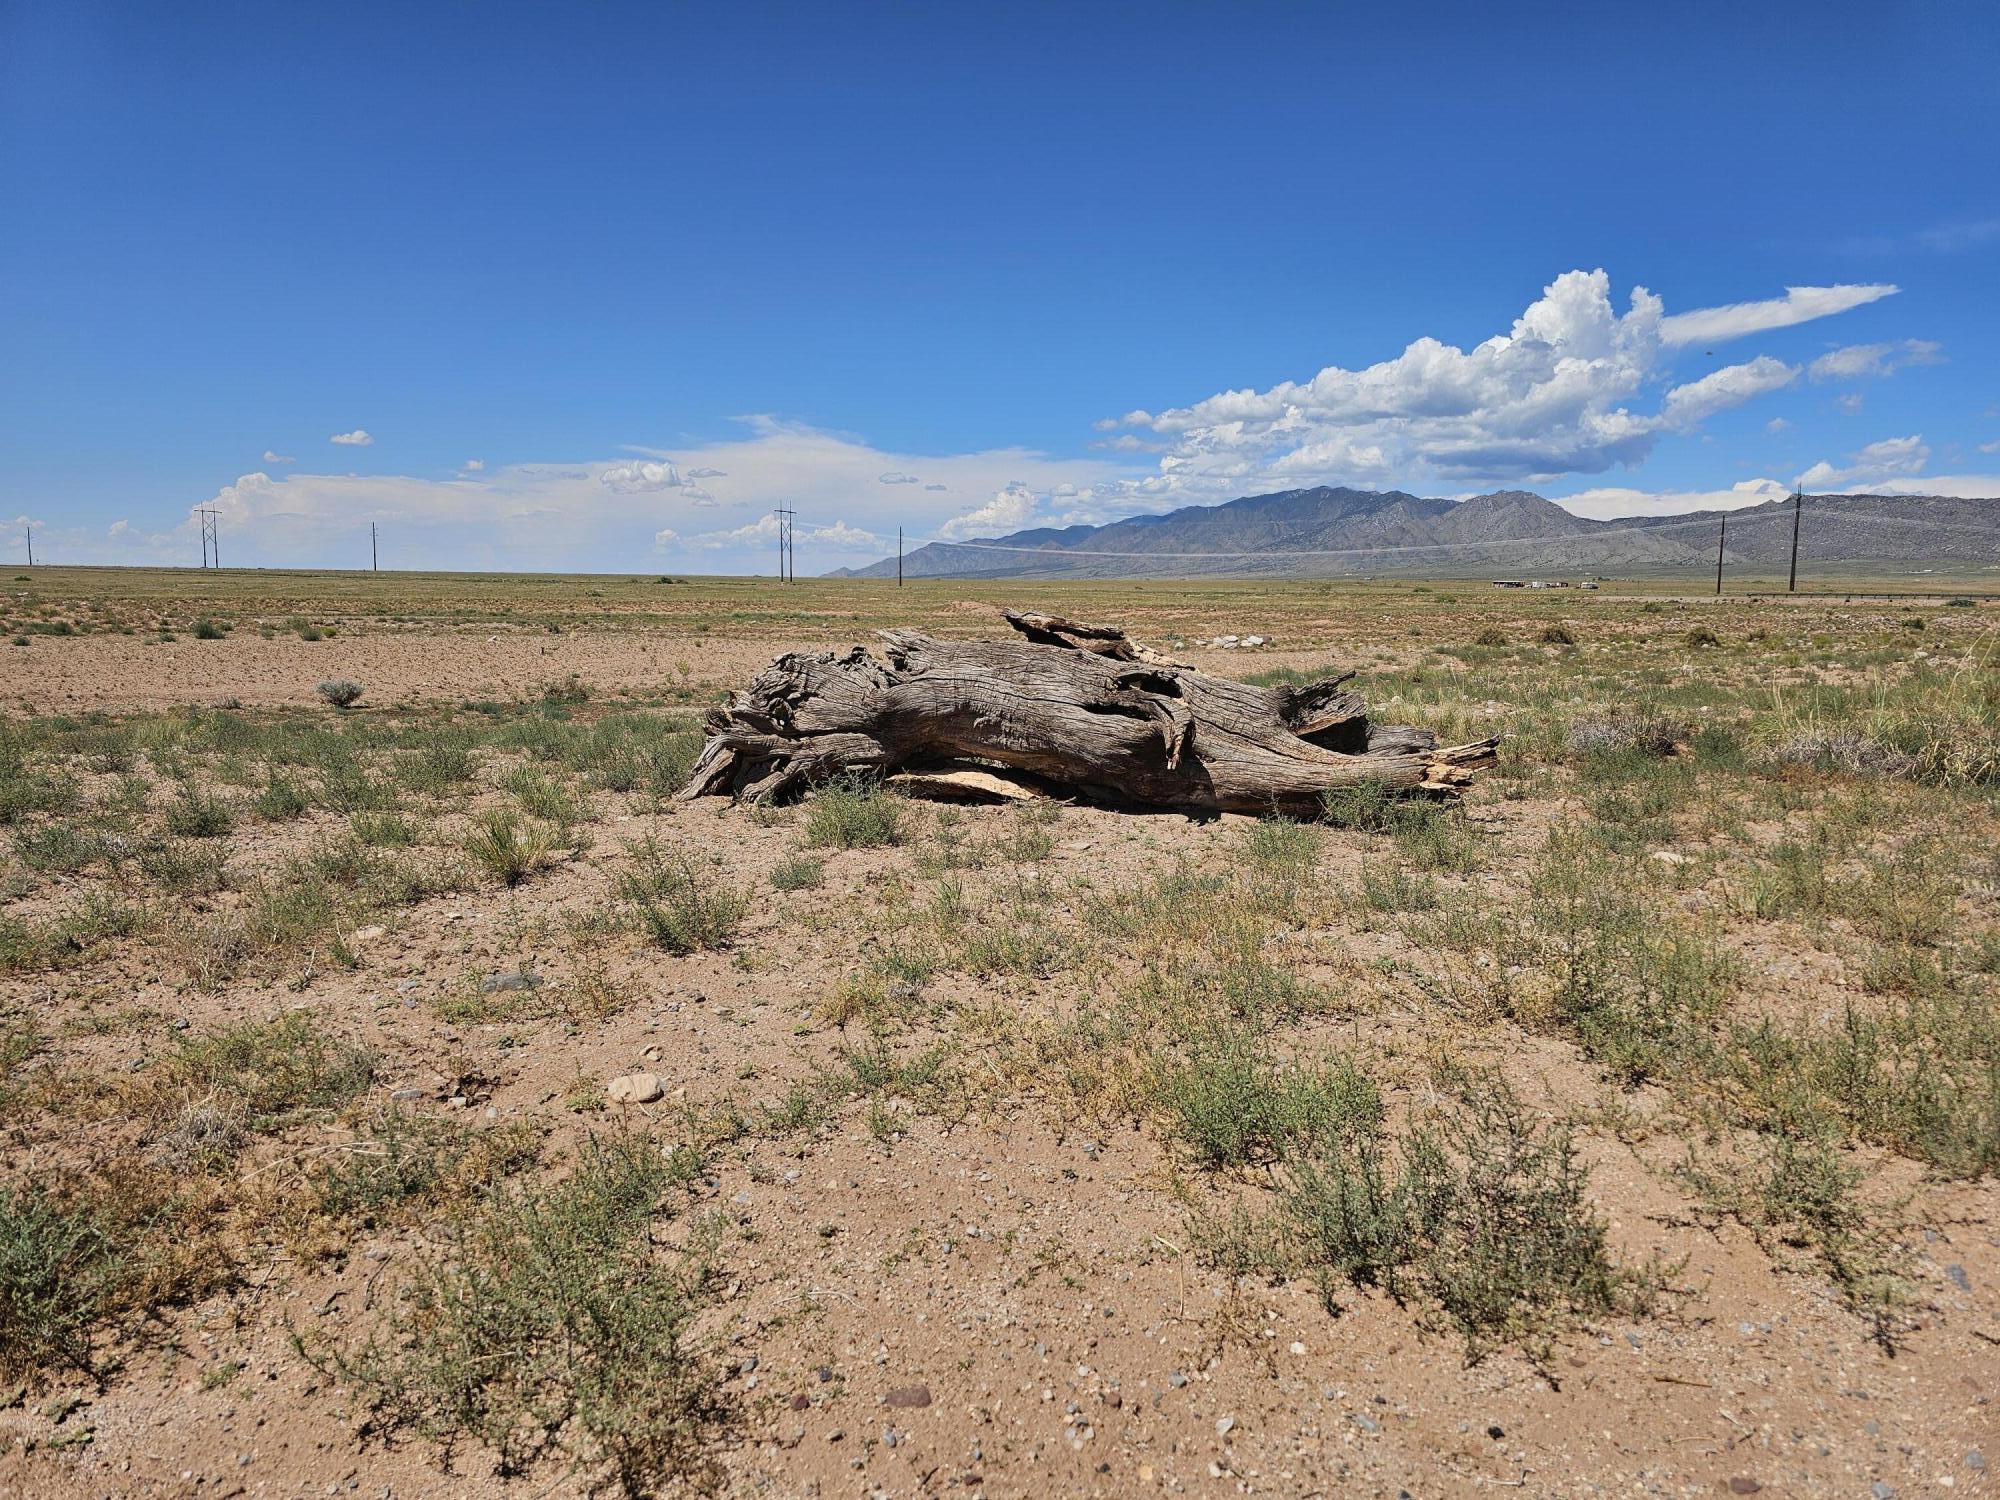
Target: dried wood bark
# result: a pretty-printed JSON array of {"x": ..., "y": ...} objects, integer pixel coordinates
[{"x": 1082, "y": 707}]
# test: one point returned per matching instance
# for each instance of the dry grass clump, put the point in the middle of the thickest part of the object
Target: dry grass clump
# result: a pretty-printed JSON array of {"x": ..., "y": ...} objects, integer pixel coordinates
[
  {"x": 507, "y": 846},
  {"x": 1842, "y": 750},
  {"x": 96, "y": 1258},
  {"x": 1639, "y": 732},
  {"x": 264, "y": 1074},
  {"x": 682, "y": 909},
  {"x": 854, "y": 813}
]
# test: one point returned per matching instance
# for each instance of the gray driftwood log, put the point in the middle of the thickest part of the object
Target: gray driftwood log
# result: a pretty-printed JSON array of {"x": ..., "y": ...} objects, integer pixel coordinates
[{"x": 1081, "y": 707}]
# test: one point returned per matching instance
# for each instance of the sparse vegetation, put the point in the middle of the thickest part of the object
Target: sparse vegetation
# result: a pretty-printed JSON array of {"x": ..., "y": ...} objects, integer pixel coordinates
[
  {"x": 507, "y": 846},
  {"x": 558, "y": 1327},
  {"x": 680, "y": 907},
  {"x": 854, "y": 814},
  {"x": 339, "y": 692},
  {"x": 297, "y": 1003}
]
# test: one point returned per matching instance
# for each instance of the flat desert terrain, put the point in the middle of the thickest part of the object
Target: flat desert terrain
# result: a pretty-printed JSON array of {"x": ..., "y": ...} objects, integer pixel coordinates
[{"x": 414, "y": 1098}]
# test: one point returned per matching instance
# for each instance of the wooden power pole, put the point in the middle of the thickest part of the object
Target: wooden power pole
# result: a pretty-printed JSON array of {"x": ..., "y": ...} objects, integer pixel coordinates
[
  {"x": 1719, "y": 541},
  {"x": 899, "y": 557},
  {"x": 1798, "y": 504}
]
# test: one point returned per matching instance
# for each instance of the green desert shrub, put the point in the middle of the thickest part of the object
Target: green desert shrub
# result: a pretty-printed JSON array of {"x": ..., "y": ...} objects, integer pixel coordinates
[
  {"x": 1481, "y": 1215},
  {"x": 854, "y": 813},
  {"x": 340, "y": 692},
  {"x": 557, "y": 1327},
  {"x": 680, "y": 907},
  {"x": 57, "y": 1271}
]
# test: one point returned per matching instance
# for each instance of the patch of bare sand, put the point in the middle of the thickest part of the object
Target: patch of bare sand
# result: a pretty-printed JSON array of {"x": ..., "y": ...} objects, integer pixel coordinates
[{"x": 1001, "y": 1304}]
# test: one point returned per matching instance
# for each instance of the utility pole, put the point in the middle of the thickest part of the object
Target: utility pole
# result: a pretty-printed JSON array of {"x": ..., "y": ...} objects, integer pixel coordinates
[
  {"x": 1724, "y": 537},
  {"x": 786, "y": 573},
  {"x": 1798, "y": 504},
  {"x": 211, "y": 537},
  {"x": 899, "y": 557},
  {"x": 374, "y": 553},
  {"x": 31, "y": 542}
]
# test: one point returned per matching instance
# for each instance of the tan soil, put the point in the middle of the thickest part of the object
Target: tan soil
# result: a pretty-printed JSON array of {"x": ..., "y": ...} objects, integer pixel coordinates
[{"x": 1015, "y": 1263}]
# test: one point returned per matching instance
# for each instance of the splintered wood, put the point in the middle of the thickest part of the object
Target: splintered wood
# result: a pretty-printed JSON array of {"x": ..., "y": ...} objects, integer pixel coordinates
[{"x": 1081, "y": 709}]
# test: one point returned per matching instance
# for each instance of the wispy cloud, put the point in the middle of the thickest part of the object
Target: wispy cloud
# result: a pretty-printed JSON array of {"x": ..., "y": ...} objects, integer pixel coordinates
[
  {"x": 1952, "y": 237},
  {"x": 359, "y": 438},
  {"x": 278, "y": 458},
  {"x": 1854, "y": 361},
  {"x": 1800, "y": 304},
  {"x": 1732, "y": 385}
]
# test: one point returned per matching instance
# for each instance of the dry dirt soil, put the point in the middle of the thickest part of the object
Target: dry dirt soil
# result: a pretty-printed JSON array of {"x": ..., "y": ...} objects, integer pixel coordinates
[{"x": 986, "y": 1273}]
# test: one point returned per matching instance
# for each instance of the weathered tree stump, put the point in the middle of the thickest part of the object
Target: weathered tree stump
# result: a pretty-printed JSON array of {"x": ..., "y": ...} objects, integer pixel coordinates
[{"x": 1081, "y": 707}]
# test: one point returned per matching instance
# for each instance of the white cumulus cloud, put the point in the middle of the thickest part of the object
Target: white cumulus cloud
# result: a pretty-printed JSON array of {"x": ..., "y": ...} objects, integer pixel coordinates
[
  {"x": 1556, "y": 394},
  {"x": 278, "y": 458},
  {"x": 640, "y": 478},
  {"x": 1611, "y": 502},
  {"x": 359, "y": 438},
  {"x": 1891, "y": 458},
  {"x": 840, "y": 537},
  {"x": 1012, "y": 508}
]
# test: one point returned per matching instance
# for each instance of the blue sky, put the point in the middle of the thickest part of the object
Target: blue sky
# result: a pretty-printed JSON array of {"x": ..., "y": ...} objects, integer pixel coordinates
[{"x": 601, "y": 285}]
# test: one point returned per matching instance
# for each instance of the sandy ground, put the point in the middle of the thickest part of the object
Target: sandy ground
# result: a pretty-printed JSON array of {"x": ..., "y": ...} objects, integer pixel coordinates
[
  {"x": 1000, "y": 1305},
  {"x": 127, "y": 673}
]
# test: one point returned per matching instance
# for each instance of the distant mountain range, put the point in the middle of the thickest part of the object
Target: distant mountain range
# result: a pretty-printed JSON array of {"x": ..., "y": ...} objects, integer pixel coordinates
[{"x": 1510, "y": 533}]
